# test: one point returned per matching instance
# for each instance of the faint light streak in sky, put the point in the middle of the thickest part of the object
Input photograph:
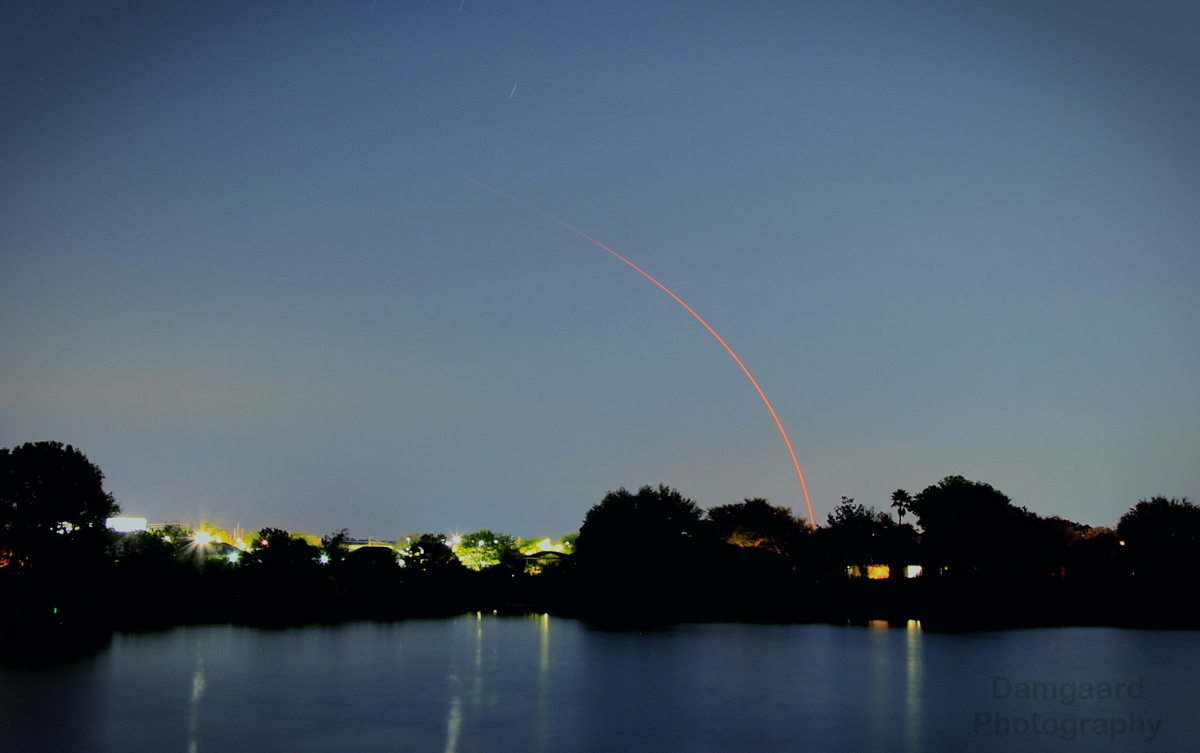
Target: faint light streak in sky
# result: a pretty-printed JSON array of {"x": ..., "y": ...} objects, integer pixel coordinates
[
  {"x": 514, "y": 91},
  {"x": 779, "y": 424}
]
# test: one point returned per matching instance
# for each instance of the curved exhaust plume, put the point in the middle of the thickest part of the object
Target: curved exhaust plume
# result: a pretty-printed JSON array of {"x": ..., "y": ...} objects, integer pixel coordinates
[{"x": 779, "y": 424}]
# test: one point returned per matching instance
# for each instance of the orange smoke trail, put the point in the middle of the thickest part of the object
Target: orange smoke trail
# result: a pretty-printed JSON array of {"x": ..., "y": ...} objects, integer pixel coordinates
[{"x": 779, "y": 424}]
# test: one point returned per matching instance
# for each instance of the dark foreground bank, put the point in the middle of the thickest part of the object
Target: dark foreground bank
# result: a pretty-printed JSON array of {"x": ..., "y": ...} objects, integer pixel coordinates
[{"x": 70, "y": 615}]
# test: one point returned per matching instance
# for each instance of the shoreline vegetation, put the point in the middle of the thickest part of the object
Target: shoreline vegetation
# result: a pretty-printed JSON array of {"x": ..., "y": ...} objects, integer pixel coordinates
[
  {"x": 65, "y": 624},
  {"x": 972, "y": 561}
]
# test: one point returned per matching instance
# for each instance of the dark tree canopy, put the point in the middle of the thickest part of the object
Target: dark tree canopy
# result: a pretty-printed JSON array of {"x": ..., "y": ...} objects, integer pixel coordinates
[
  {"x": 334, "y": 547},
  {"x": 430, "y": 554},
  {"x": 1162, "y": 535},
  {"x": 901, "y": 503},
  {"x": 624, "y": 523},
  {"x": 857, "y": 534},
  {"x": 51, "y": 497},
  {"x": 970, "y": 525},
  {"x": 757, "y": 523},
  {"x": 150, "y": 548},
  {"x": 645, "y": 553},
  {"x": 851, "y": 515},
  {"x": 275, "y": 548}
]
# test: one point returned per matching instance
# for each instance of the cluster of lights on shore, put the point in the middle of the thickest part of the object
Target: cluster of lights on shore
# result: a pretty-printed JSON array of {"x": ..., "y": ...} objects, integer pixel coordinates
[
  {"x": 204, "y": 537},
  {"x": 472, "y": 555},
  {"x": 545, "y": 545}
]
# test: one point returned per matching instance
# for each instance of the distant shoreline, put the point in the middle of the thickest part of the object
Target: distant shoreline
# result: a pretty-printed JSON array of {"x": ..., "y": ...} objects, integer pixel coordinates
[{"x": 88, "y": 623}]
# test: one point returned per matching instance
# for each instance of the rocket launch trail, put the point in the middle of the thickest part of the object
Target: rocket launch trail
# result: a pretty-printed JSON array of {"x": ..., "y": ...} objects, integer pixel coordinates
[{"x": 707, "y": 326}]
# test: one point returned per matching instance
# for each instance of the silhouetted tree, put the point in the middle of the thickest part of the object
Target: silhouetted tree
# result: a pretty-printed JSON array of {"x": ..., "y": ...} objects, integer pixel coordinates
[
  {"x": 857, "y": 534},
  {"x": 751, "y": 569},
  {"x": 854, "y": 516},
  {"x": 969, "y": 526},
  {"x": 901, "y": 502},
  {"x": 1161, "y": 535},
  {"x": 1047, "y": 541},
  {"x": 278, "y": 549},
  {"x": 158, "y": 580},
  {"x": 624, "y": 526},
  {"x": 642, "y": 554},
  {"x": 434, "y": 580},
  {"x": 757, "y": 523},
  {"x": 429, "y": 553},
  {"x": 53, "y": 506},
  {"x": 335, "y": 548},
  {"x": 145, "y": 549},
  {"x": 1095, "y": 557}
]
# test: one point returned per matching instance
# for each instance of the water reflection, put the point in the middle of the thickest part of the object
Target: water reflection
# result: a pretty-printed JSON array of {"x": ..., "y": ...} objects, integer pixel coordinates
[
  {"x": 477, "y": 678},
  {"x": 912, "y": 686},
  {"x": 543, "y": 683},
  {"x": 198, "y": 686},
  {"x": 454, "y": 710},
  {"x": 538, "y": 683},
  {"x": 453, "y": 725},
  {"x": 879, "y": 679},
  {"x": 494, "y": 667}
]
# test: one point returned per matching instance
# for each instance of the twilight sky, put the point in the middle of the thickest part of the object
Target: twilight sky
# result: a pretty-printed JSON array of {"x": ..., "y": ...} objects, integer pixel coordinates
[{"x": 243, "y": 269}]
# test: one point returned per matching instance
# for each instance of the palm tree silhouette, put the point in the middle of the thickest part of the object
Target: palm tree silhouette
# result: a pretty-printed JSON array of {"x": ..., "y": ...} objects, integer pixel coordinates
[{"x": 902, "y": 502}]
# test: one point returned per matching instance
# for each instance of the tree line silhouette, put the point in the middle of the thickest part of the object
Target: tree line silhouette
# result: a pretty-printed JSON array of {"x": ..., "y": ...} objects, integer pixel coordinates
[{"x": 969, "y": 559}]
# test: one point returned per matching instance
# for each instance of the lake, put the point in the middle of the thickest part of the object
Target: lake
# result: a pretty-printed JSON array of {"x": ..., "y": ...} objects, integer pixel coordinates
[{"x": 541, "y": 683}]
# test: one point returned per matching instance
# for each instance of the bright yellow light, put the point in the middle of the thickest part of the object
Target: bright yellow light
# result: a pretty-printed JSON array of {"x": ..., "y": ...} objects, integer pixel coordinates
[
  {"x": 202, "y": 538},
  {"x": 878, "y": 572},
  {"x": 545, "y": 545}
]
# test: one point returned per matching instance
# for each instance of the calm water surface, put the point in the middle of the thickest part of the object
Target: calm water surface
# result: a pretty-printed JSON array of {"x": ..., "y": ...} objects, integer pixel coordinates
[{"x": 549, "y": 684}]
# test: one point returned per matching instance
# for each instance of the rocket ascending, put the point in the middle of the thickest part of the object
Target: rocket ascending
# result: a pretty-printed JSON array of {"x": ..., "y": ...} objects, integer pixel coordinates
[{"x": 707, "y": 326}]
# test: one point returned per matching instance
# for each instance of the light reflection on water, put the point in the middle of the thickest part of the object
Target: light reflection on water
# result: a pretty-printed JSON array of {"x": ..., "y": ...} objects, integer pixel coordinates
[
  {"x": 912, "y": 686},
  {"x": 194, "y": 705},
  {"x": 538, "y": 683}
]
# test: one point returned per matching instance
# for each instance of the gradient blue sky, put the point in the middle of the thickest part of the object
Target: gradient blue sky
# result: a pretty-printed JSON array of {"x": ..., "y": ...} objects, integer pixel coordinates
[{"x": 242, "y": 267}]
